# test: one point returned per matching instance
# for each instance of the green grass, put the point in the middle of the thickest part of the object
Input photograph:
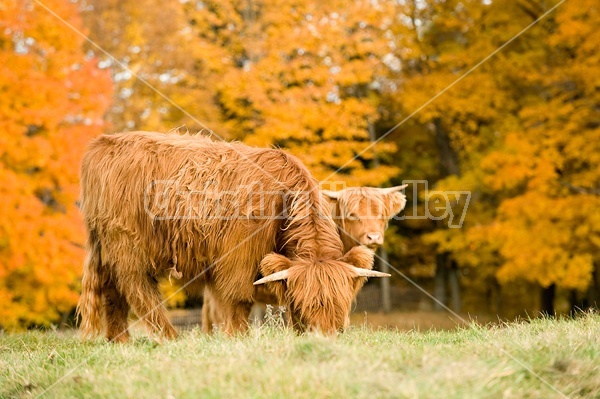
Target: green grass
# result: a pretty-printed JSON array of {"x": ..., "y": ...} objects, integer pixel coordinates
[{"x": 271, "y": 362}]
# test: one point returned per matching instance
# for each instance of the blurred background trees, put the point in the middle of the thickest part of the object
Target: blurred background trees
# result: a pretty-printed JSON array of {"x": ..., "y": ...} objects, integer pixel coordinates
[
  {"x": 524, "y": 128},
  {"x": 53, "y": 99},
  {"x": 323, "y": 80}
]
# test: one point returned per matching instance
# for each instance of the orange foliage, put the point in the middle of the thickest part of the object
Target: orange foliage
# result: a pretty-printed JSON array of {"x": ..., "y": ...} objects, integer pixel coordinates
[{"x": 53, "y": 100}]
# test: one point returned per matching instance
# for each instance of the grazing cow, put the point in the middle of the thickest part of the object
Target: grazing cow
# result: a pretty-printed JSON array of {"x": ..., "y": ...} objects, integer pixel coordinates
[
  {"x": 212, "y": 213},
  {"x": 361, "y": 215}
]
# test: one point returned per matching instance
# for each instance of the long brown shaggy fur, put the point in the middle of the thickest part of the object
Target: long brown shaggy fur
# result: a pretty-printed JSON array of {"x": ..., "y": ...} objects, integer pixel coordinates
[{"x": 137, "y": 233}]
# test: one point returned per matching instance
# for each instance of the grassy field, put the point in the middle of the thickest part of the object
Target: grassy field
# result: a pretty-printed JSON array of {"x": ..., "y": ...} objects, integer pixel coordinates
[{"x": 537, "y": 359}]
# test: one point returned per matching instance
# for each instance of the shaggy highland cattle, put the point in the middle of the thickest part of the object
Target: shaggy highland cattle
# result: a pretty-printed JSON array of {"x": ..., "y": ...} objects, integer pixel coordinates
[
  {"x": 214, "y": 215},
  {"x": 361, "y": 215}
]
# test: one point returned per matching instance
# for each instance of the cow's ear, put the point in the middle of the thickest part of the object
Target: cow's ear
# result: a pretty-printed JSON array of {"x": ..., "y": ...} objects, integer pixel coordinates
[
  {"x": 332, "y": 198},
  {"x": 331, "y": 195},
  {"x": 272, "y": 264},
  {"x": 395, "y": 203},
  {"x": 359, "y": 256}
]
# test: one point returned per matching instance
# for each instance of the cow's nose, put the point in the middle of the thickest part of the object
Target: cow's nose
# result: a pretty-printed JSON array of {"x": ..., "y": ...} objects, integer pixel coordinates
[{"x": 374, "y": 238}]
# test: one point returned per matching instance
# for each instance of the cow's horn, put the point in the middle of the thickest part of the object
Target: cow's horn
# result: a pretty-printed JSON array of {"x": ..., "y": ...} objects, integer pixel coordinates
[
  {"x": 369, "y": 273},
  {"x": 331, "y": 194},
  {"x": 282, "y": 275},
  {"x": 390, "y": 190}
]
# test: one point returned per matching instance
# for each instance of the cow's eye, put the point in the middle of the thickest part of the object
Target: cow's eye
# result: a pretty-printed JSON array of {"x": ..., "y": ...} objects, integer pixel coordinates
[{"x": 353, "y": 216}]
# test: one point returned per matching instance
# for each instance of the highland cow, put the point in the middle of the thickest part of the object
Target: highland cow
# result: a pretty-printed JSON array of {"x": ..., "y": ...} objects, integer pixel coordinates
[
  {"x": 158, "y": 205},
  {"x": 362, "y": 213}
]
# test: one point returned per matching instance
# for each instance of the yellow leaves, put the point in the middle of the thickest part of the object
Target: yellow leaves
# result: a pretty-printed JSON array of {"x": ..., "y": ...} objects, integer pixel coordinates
[
  {"x": 175, "y": 296},
  {"x": 549, "y": 267},
  {"x": 512, "y": 165},
  {"x": 576, "y": 22},
  {"x": 525, "y": 131},
  {"x": 548, "y": 240}
]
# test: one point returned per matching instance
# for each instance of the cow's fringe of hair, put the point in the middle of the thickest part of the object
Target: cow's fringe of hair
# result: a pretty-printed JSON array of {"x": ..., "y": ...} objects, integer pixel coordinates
[{"x": 325, "y": 292}]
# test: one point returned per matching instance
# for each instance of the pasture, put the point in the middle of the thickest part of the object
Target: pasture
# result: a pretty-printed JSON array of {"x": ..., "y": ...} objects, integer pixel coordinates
[{"x": 540, "y": 358}]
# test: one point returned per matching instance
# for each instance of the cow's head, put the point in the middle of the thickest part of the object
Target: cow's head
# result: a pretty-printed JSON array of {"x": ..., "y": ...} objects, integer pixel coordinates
[
  {"x": 362, "y": 213},
  {"x": 318, "y": 293}
]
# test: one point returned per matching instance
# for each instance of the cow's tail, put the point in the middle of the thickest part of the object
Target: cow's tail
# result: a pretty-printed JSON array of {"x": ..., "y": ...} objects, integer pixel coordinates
[{"x": 89, "y": 309}]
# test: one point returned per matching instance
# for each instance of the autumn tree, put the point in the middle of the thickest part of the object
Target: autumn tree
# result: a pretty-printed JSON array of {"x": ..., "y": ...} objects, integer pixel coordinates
[
  {"x": 549, "y": 227},
  {"x": 157, "y": 65},
  {"x": 524, "y": 130},
  {"x": 437, "y": 136},
  {"x": 52, "y": 103},
  {"x": 305, "y": 76}
]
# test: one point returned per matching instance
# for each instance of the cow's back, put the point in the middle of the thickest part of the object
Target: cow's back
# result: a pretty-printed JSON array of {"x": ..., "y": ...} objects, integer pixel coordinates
[{"x": 185, "y": 201}]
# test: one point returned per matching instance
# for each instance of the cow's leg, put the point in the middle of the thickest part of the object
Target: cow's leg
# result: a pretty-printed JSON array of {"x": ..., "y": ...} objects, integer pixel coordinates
[
  {"x": 232, "y": 287},
  {"x": 142, "y": 293},
  {"x": 238, "y": 315},
  {"x": 115, "y": 313},
  {"x": 207, "y": 323},
  {"x": 208, "y": 309},
  {"x": 233, "y": 315}
]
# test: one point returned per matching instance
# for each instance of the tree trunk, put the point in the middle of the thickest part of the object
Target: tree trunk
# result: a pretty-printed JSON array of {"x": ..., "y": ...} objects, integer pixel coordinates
[
  {"x": 454, "y": 285},
  {"x": 448, "y": 157},
  {"x": 577, "y": 303},
  {"x": 441, "y": 276},
  {"x": 495, "y": 302},
  {"x": 386, "y": 302},
  {"x": 589, "y": 300},
  {"x": 593, "y": 294},
  {"x": 547, "y": 300},
  {"x": 64, "y": 319}
]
